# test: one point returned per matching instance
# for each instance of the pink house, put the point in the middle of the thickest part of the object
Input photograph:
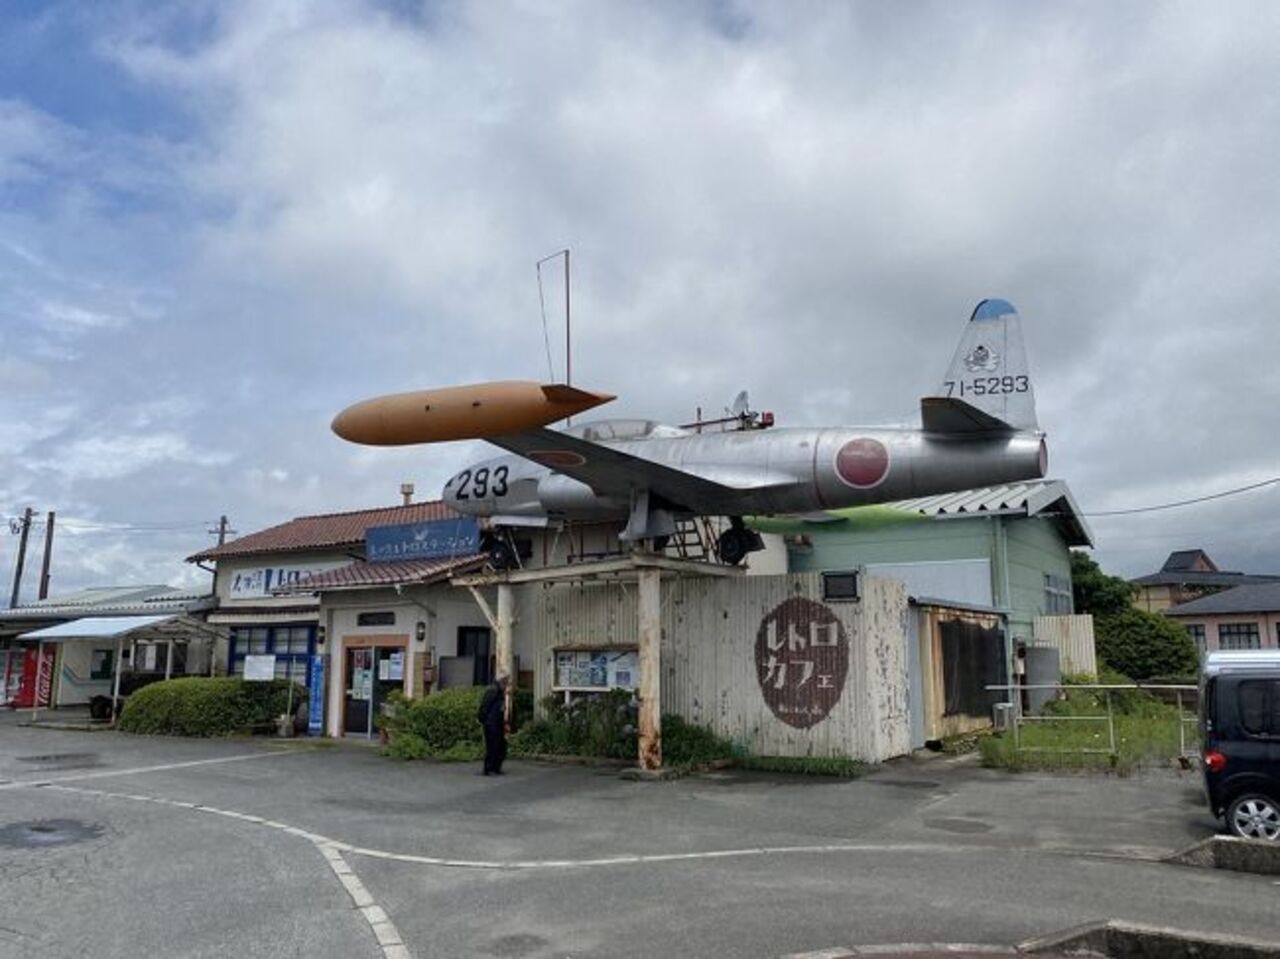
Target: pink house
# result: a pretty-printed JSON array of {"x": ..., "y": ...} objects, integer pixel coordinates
[{"x": 1246, "y": 617}]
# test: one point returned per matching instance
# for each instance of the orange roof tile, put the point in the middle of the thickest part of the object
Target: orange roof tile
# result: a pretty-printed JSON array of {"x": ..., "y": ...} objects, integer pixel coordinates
[{"x": 325, "y": 531}]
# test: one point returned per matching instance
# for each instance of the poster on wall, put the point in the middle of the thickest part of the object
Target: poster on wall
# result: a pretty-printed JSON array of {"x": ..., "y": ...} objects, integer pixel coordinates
[
  {"x": 260, "y": 668},
  {"x": 395, "y": 666}
]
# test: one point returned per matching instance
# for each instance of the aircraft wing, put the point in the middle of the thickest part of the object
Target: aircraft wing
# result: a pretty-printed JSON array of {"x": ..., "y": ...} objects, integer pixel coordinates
[{"x": 612, "y": 472}]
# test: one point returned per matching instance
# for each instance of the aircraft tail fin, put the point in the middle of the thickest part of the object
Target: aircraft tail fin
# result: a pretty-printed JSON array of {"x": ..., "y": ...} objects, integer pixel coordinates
[{"x": 988, "y": 384}]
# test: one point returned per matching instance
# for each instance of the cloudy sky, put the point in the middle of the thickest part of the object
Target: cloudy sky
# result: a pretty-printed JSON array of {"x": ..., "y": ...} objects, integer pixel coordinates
[{"x": 220, "y": 223}]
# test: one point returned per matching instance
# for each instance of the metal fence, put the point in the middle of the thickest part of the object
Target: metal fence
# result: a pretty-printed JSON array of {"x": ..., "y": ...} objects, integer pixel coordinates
[{"x": 1015, "y": 719}]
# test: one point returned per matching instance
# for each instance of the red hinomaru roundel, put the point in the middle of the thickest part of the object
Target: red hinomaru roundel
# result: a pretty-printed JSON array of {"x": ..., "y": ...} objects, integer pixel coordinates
[{"x": 862, "y": 463}]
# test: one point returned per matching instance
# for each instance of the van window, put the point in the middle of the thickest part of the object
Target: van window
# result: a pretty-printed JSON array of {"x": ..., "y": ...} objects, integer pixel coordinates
[{"x": 1253, "y": 706}]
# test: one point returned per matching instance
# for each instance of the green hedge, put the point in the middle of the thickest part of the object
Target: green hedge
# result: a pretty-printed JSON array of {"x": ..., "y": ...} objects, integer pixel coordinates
[
  {"x": 443, "y": 725},
  {"x": 205, "y": 706}
]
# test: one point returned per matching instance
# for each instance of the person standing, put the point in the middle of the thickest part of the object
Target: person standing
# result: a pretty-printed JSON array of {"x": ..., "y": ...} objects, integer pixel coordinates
[{"x": 492, "y": 715}]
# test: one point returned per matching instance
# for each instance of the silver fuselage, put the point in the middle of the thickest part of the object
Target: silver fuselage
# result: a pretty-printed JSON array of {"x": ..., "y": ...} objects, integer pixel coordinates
[{"x": 774, "y": 471}]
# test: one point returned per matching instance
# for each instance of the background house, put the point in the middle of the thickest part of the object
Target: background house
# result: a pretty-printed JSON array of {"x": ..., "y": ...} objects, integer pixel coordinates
[
  {"x": 1245, "y": 617},
  {"x": 1186, "y": 575}
]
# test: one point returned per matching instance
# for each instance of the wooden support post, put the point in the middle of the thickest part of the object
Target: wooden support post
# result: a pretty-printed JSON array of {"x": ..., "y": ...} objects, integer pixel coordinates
[
  {"x": 649, "y": 602},
  {"x": 504, "y": 635}
]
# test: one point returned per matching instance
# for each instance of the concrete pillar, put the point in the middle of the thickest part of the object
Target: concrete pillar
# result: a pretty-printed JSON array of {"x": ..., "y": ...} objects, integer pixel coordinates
[
  {"x": 649, "y": 612},
  {"x": 168, "y": 659}
]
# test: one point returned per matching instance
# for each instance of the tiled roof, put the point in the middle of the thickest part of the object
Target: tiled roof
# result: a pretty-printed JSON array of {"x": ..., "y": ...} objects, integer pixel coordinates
[
  {"x": 1203, "y": 579},
  {"x": 325, "y": 531},
  {"x": 411, "y": 571},
  {"x": 1184, "y": 561},
  {"x": 1254, "y": 598}
]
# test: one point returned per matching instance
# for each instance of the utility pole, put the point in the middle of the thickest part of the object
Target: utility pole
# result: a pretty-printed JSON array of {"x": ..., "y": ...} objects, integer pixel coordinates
[
  {"x": 48, "y": 552},
  {"x": 222, "y": 530},
  {"x": 22, "y": 557}
]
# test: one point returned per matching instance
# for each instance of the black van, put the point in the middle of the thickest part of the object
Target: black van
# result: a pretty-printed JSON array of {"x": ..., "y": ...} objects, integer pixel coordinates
[{"x": 1240, "y": 725}]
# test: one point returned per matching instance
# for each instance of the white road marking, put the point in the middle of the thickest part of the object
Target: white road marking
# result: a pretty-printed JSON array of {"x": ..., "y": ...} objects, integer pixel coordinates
[
  {"x": 137, "y": 770},
  {"x": 383, "y": 929}
]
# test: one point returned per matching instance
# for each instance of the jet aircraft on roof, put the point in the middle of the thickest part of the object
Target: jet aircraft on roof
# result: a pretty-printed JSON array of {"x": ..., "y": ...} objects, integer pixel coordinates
[{"x": 978, "y": 429}]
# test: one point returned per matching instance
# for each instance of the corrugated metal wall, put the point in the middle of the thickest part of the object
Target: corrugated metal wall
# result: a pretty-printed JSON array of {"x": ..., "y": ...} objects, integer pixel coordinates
[
  {"x": 1072, "y": 637},
  {"x": 714, "y": 671}
]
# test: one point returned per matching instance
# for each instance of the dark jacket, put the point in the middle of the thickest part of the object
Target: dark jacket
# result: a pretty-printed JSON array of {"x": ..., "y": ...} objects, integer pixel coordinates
[{"x": 492, "y": 710}]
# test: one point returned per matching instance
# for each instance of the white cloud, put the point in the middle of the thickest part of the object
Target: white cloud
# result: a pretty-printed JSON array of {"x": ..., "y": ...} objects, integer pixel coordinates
[{"x": 804, "y": 202}]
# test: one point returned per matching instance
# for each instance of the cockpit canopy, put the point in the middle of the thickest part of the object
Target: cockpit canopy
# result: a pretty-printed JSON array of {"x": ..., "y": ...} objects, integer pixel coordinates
[{"x": 602, "y": 431}]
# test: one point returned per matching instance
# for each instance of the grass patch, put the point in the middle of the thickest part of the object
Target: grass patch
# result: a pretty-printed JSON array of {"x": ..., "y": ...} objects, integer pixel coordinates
[
  {"x": 1146, "y": 733},
  {"x": 840, "y": 766}
]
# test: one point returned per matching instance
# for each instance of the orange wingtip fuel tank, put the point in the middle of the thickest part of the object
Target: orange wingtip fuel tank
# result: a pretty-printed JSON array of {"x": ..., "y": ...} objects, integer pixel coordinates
[{"x": 462, "y": 412}]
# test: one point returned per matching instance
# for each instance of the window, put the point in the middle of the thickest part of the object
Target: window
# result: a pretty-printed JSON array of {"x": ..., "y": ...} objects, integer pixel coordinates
[
  {"x": 292, "y": 646},
  {"x": 1260, "y": 706},
  {"x": 1196, "y": 630},
  {"x": 1238, "y": 636},
  {"x": 387, "y": 618},
  {"x": 100, "y": 664},
  {"x": 1057, "y": 594}
]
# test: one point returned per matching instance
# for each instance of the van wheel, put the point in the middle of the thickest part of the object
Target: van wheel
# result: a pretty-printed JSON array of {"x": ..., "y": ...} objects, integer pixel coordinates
[{"x": 1254, "y": 816}]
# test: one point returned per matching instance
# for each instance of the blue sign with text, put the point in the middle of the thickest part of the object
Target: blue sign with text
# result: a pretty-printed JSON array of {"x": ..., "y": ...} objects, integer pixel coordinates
[
  {"x": 439, "y": 539},
  {"x": 315, "y": 696}
]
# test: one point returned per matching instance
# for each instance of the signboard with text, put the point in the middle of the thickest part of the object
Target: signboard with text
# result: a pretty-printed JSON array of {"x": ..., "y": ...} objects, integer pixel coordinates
[
  {"x": 260, "y": 668},
  {"x": 315, "y": 696},
  {"x": 438, "y": 539}
]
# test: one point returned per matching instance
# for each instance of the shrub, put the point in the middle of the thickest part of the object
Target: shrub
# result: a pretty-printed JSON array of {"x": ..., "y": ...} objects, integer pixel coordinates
[
  {"x": 406, "y": 745},
  {"x": 1142, "y": 644},
  {"x": 203, "y": 706},
  {"x": 441, "y": 720},
  {"x": 684, "y": 744}
]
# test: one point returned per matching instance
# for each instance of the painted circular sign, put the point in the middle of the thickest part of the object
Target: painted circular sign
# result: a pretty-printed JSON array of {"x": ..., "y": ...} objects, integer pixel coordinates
[
  {"x": 554, "y": 458},
  {"x": 862, "y": 463},
  {"x": 802, "y": 661}
]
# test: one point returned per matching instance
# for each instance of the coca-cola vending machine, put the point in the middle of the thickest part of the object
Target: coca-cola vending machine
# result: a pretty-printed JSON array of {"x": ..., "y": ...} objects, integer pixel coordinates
[{"x": 35, "y": 683}]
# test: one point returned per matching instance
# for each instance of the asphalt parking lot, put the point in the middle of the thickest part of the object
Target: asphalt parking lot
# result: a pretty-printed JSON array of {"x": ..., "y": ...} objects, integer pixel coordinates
[{"x": 116, "y": 846}]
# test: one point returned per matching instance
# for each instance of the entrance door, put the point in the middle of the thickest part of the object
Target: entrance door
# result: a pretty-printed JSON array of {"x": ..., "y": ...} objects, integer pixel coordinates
[
  {"x": 373, "y": 673},
  {"x": 475, "y": 641}
]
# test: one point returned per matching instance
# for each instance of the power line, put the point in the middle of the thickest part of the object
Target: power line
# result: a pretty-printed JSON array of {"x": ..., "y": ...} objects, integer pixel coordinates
[{"x": 1187, "y": 502}]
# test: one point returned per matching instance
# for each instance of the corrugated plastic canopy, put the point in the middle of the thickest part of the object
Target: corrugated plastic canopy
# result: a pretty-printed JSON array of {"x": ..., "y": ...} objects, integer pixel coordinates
[{"x": 97, "y": 627}]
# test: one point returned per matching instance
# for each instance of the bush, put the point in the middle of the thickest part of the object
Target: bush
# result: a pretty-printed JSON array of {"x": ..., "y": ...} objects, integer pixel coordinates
[
  {"x": 443, "y": 725},
  {"x": 1142, "y": 644},
  {"x": 684, "y": 744},
  {"x": 203, "y": 706},
  {"x": 406, "y": 745}
]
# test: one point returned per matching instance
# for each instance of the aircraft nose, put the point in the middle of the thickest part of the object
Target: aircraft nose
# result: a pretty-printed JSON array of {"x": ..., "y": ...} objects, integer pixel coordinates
[{"x": 360, "y": 423}]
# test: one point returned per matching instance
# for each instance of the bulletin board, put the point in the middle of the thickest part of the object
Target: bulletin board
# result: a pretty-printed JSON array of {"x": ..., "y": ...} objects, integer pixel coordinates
[{"x": 596, "y": 669}]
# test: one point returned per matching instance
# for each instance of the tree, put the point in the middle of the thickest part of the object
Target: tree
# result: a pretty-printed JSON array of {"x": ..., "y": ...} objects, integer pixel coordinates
[
  {"x": 1095, "y": 591},
  {"x": 1132, "y": 641},
  {"x": 1144, "y": 645}
]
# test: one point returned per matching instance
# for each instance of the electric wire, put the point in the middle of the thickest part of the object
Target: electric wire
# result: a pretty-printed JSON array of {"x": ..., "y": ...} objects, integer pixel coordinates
[{"x": 1186, "y": 502}]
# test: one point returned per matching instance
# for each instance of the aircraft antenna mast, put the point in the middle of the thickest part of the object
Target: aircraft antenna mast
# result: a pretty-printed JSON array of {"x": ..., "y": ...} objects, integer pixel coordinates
[{"x": 568, "y": 340}]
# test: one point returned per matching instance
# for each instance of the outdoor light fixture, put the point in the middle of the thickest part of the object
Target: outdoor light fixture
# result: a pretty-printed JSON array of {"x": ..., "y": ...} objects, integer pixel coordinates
[
  {"x": 320, "y": 635},
  {"x": 420, "y": 632}
]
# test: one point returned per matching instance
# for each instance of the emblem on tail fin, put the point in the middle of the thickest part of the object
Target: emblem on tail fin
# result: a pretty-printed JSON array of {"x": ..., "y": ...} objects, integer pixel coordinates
[{"x": 982, "y": 359}]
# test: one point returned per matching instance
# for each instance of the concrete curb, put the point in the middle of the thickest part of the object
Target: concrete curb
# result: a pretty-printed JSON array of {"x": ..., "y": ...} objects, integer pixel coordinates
[
  {"x": 1233, "y": 853},
  {"x": 1123, "y": 940}
]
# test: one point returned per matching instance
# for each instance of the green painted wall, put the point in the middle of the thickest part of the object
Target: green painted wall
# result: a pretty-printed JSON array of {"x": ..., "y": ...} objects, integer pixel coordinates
[
  {"x": 1033, "y": 546},
  {"x": 840, "y": 545}
]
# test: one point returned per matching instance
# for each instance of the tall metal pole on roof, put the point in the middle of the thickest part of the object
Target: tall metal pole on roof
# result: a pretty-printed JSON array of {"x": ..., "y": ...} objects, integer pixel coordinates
[
  {"x": 22, "y": 558},
  {"x": 48, "y": 552},
  {"x": 568, "y": 345}
]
